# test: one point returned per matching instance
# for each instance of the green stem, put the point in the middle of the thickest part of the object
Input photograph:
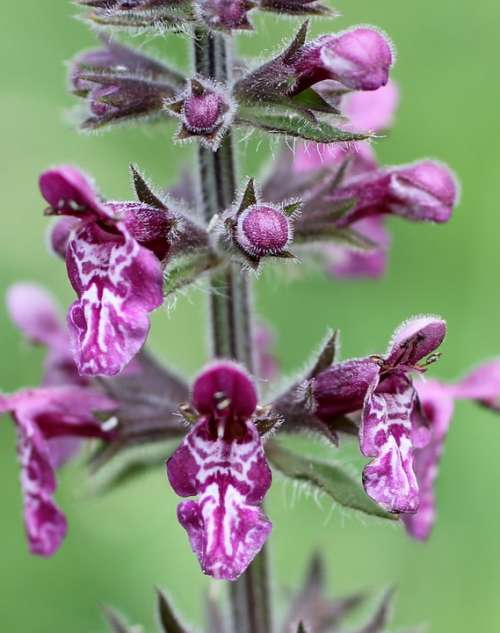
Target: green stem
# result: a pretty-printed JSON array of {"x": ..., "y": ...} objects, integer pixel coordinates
[{"x": 230, "y": 312}]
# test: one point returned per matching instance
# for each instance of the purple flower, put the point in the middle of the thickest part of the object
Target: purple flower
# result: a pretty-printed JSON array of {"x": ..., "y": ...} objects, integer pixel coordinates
[
  {"x": 263, "y": 341},
  {"x": 42, "y": 417},
  {"x": 222, "y": 462},
  {"x": 112, "y": 257},
  {"x": 359, "y": 59},
  {"x": 119, "y": 84},
  {"x": 438, "y": 402},
  {"x": 423, "y": 191},
  {"x": 391, "y": 425}
]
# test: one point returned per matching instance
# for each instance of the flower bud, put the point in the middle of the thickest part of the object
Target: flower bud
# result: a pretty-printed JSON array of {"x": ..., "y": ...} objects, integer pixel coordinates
[
  {"x": 118, "y": 84},
  {"x": 426, "y": 190},
  {"x": 359, "y": 59},
  {"x": 262, "y": 230},
  {"x": 225, "y": 15},
  {"x": 204, "y": 110}
]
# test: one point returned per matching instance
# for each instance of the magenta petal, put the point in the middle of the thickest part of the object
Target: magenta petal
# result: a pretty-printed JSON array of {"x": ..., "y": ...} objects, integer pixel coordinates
[
  {"x": 35, "y": 313},
  {"x": 45, "y": 524},
  {"x": 437, "y": 403},
  {"x": 226, "y": 526},
  {"x": 342, "y": 388},
  {"x": 346, "y": 263},
  {"x": 372, "y": 111},
  {"x": 60, "y": 233},
  {"x": 118, "y": 283},
  {"x": 385, "y": 435},
  {"x": 416, "y": 338},
  {"x": 233, "y": 382},
  {"x": 481, "y": 384},
  {"x": 71, "y": 192}
]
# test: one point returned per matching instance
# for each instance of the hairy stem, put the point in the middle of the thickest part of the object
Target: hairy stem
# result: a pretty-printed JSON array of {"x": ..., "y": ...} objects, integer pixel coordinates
[{"x": 231, "y": 319}]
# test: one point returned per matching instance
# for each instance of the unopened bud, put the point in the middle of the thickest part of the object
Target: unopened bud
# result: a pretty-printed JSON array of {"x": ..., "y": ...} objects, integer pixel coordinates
[
  {"x": 225, "y": 15},
  {"x": 263, "y": 230}
]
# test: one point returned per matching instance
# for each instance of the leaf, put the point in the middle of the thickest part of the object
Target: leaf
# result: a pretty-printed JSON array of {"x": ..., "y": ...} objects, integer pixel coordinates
[
  {"x": 168, "y": 620},
  {"x": 186, "y": 269},
  {"x": 249, "y": 197},
  {"x": 380, "y": 619},
  {"x": 327, "y": 354},
  {"x": 117, "y": 623},
  {"x": 330, "y": 478},
  {"x": 297, "y": 43},
  {"x": 328, "y": 232},
  {"x": 311, "y": 100},
  {"x": 289, "y": 208},
  {"x": 296, "y": 126},
  {"x": 144, "y": 192}
]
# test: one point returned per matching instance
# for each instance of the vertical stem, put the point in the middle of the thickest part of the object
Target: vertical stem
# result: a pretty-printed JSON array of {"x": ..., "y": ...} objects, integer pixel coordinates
[{"x": 231, "y": 319}]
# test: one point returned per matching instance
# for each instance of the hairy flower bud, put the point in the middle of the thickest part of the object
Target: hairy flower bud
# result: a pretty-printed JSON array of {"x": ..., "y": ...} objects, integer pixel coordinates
[
  {"x": 120, "y": 84},
  {"x": 263, "y": 230},
  {"x": 359, "y": 59},
  {"x": 225, "y": 15},
  {"x": 204, "y": 110}
]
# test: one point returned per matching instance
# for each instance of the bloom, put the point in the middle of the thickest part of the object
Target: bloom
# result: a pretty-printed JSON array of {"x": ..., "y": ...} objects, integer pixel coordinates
[
  {"x": 113, "y": 261},
  {"x": 423, "y": 191},
  {"x": 359, "y": 59},
  {"x": 438, "y": 402},
  {"x": 222, "y": 462},
  {"x": 391, "y": 424},
  {"x": 119, "y": 83},
  {"x": 42, "y": 417}
]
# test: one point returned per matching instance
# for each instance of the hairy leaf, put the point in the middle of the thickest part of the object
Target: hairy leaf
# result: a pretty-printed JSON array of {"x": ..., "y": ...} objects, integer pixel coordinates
[
  {"x": 144, "y": 192},
  {"x": 296, "y": 126},
  {"x": 330, "y": 478}
]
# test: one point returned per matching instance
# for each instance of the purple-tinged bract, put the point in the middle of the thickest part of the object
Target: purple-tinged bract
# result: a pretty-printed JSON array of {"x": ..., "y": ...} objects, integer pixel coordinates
[{"x": 222, "y": 462}]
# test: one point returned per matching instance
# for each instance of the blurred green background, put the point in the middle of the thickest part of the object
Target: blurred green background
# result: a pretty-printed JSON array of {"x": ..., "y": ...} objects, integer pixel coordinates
[{"x": 122, "y": 544}]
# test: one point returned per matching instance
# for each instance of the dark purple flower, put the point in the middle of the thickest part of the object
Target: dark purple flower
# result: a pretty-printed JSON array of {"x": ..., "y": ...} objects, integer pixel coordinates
[
  {"x": 359, "y": 59},
  {"x": 225, "y": 15},
  {"x": 119, "y": 83},
  {"x": 205, "y": 112},
  {"x": 222, "y": 462},
  {"x": 43, "y": 416},
  {"x": 392, "y": 426},
  {"x": 116, "y": 276},
  {"x": 438, "y": 402},
  {"x": 426, "y": 191}
]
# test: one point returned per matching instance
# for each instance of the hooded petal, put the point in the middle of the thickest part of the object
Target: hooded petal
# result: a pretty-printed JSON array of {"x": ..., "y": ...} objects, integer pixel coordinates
[
  {"x": 71, "y": 192},
  {"x": 118, "y": 283},
  {"x": 225, "y": 383},
  {"x": 415, "y": 339},
  {"x": 386, "y": 435},
  {"x": 438, "y": 405}
]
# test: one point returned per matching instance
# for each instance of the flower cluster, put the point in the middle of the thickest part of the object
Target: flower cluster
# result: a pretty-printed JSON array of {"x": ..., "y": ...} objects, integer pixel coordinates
[{"x": 124, "y": 259}]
